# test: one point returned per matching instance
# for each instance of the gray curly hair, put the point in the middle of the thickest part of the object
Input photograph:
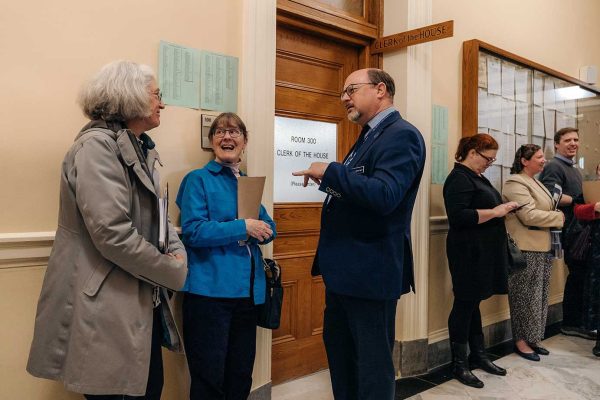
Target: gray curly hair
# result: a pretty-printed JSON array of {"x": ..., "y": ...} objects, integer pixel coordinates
[{"x": 118, "y": 92}]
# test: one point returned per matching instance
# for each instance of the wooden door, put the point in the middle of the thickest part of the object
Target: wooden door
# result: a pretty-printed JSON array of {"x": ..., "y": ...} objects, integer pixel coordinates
[{"x": 310, "y": 73}]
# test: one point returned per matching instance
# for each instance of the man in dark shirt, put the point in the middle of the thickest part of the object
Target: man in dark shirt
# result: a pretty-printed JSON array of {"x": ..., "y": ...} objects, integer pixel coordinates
[{"x": 561, "y": 171}]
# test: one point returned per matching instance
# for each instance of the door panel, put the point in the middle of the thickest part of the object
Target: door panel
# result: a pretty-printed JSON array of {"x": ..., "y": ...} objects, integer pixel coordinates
[{"x": 310, "y": 72}]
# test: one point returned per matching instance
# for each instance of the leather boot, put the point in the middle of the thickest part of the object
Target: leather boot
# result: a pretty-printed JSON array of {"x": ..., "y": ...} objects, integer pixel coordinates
[
  {"x": 596, "y": 349},
  {"x": 479, "y": 359},
  {"x": 460, "y": 366}
]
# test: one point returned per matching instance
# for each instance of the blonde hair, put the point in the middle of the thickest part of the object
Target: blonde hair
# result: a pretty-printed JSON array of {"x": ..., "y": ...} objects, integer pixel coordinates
[{"x": 118, "y": 92}]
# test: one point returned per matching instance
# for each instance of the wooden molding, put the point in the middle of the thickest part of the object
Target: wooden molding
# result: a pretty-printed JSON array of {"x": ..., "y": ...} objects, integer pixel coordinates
[
  {"x": 319, "y": 18},
  {"x": 26, "y": 249}
]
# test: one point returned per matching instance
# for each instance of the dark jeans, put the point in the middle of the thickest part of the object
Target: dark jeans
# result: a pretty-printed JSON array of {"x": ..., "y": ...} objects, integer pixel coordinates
[
  {"x": 155, "y": 373},
  {"x": 220, "y": 343},
  {"x": 359, "y": 340},
  {"x": 573, "y": 296},
  {"x": 464, "y": 321}
]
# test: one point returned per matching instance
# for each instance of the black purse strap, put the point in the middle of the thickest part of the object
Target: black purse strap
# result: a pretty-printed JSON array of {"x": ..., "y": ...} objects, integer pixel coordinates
[{"x": 271, "y": 267}]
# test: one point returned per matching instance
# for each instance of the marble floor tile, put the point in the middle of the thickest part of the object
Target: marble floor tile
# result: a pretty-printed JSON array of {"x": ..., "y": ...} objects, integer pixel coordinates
[{"x": 314, "y": 387}]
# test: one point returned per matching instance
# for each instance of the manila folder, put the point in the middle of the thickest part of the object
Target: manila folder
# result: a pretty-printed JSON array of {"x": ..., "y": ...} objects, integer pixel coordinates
[{"x": 250, "y": 191}]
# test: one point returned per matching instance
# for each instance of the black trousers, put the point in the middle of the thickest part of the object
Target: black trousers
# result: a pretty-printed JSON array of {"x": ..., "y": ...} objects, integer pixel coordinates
[
  {"x": 220, "y": 343},
  {"x": 155, "y": 375},
  {"x": 573, "y": 296},
  {"x": 359, "y": 340},
  {"x": 464, "y": 321}
]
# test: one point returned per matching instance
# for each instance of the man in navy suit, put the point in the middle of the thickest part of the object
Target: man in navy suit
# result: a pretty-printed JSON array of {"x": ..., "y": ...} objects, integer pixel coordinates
[{"x": 364, "y": 251}]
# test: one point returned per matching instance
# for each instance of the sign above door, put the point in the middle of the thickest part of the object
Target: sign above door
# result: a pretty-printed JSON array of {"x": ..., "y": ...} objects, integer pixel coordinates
[{"x": 415, "y": 36}]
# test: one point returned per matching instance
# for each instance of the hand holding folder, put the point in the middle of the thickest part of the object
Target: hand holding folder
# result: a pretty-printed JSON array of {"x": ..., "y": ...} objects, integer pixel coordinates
[{"x": 250, "y": 190}]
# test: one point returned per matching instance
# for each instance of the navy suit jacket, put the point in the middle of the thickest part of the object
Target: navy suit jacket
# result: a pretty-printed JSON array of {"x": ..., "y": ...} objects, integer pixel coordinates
[{"x": 365, "y": 248}]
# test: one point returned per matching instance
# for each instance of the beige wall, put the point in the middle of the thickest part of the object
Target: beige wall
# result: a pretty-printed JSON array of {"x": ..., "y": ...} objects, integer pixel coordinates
[
  {"x": 49, "y": 49},
  {"x": 562, "y": 35}
]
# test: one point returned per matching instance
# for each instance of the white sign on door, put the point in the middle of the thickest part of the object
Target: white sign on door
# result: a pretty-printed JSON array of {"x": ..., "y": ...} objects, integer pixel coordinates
[{"x": 298, "y": 143}]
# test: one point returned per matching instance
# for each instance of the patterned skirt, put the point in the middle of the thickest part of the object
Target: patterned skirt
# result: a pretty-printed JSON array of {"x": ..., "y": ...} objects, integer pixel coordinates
[{"x": 528, "y": 297}]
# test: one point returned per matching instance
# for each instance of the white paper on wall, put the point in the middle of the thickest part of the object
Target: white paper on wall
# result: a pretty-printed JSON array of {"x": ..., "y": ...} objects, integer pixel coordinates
[
  {"x": 494, "y": 112},
  {"x": 549, "y": 94},
  {"x": 482, "y": 108},
  {"x": 522, "y": 118},
  {"x": 521, "y": 84},
  {"x": 494, "y": 75},
  {"x": 549, "y": 123},
  {"x": 508, "y": 116},
  {"x": 508, "y": 81},
  {"x": 494, "y": 175},
  {"x": 538, "y": 121},
  {"x": 509, "y": 149},
  {"x": 538, "y": 91},
  {"x": 520, "y": 140},
  {"x": 482, "y": 74}
]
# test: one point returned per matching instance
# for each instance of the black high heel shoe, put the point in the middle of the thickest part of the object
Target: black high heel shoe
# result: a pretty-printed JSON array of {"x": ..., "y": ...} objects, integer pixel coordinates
[{"x": 539, "y": 350}]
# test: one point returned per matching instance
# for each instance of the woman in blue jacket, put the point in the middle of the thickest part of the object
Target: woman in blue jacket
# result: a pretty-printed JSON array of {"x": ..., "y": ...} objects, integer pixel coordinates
[{"x": 225, "y": 280}]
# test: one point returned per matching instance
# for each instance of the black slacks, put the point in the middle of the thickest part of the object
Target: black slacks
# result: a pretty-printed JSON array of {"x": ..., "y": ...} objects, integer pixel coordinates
[
  {"x": 220, "y": 343},
  {"x": 464, "y": 321},
  {"x": 155, "y": 374},
  {"x": 573, "y": 296},
  {"x": 359, "y": 340}
]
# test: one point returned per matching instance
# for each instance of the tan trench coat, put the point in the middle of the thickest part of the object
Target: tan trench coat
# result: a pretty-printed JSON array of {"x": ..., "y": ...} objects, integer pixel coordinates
[{"x": 93, "y": 326}]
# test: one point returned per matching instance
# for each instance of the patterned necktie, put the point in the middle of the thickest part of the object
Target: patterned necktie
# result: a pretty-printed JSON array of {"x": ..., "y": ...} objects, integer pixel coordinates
[{"x": 361, "y": 140}]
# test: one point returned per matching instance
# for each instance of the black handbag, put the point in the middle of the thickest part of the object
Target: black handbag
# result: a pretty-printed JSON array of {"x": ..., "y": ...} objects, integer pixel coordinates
[
  {"x": 269, "y": 313},
  {"x": 516, "y": 259}
]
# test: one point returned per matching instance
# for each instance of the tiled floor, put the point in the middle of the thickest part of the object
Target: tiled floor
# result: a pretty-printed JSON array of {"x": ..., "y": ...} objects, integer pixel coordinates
[
  {"x": 569, "y": 372},
  {"x": 314, "y": 387}
]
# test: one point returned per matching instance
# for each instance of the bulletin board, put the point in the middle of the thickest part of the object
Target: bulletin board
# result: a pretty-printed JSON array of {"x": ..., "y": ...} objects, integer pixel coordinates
[{"x": 518, "y": 101}]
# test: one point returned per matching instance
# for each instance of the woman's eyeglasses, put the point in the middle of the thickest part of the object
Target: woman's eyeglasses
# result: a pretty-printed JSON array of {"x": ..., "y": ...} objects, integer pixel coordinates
[
  {"x": 490, "y": 160},
  {"x": 233, "y": 132}
]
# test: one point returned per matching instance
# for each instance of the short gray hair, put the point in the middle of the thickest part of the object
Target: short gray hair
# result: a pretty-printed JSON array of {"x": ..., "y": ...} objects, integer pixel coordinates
[{"x": 118, "y": 92}]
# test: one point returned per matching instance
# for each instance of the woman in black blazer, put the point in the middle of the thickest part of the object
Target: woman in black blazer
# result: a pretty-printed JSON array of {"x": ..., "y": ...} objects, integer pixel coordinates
[{"x": 477, "y": 252}]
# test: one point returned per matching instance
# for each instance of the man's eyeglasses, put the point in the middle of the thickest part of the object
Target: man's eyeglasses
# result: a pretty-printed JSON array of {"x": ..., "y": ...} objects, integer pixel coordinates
[
  {"x": 158, "y": 95},
  {"x": 233, "y": 132},
  {"x": 353, "y": 87},
  {"x": 490, "y": 160}
]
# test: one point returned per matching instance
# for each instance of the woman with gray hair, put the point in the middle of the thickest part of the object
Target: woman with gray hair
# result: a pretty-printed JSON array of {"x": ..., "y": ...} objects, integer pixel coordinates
[
  {"x": 103, "y": 311},
  {"x": 530, "y": 227}
]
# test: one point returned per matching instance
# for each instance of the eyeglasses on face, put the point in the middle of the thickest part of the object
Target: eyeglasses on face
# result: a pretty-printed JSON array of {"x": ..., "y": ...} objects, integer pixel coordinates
[
  {"x": 490, "y": 160},
  {"x": 233, "y": 132},
  {"x": 158, "y": 95},
  {"x": 353, "y": 87}
]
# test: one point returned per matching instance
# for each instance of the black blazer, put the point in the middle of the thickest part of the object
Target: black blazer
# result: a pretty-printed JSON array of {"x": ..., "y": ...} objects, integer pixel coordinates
[
  {"x": 365, "y": 248},
  {"x": 477, "y": 253}
]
